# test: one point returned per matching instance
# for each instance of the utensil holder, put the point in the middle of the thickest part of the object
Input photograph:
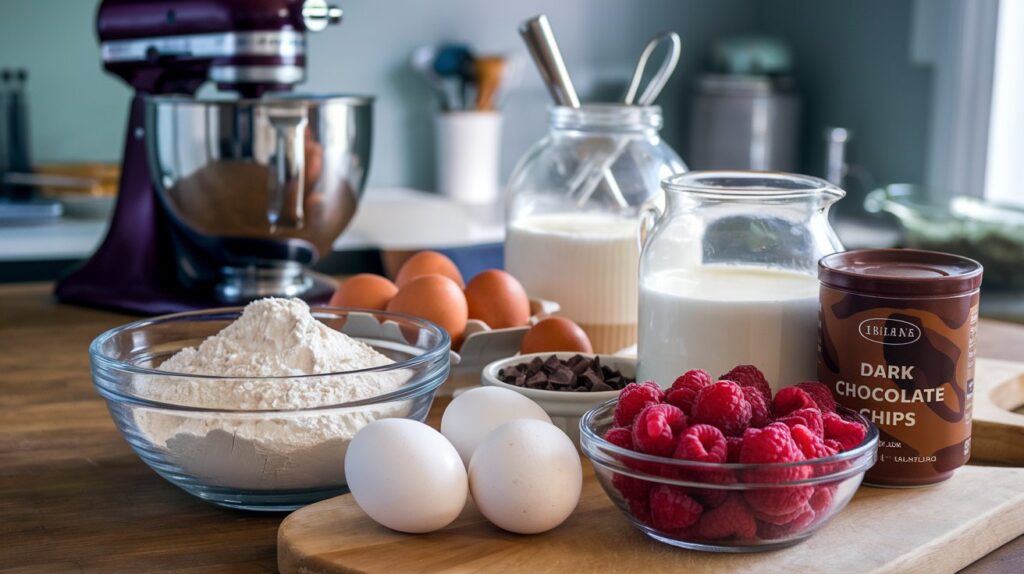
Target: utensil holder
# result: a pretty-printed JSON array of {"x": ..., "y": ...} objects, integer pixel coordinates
[{"x": 468, "y": 155}]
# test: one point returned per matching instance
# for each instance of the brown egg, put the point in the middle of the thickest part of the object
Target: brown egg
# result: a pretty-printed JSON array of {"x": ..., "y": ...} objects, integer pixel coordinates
[
  {"x": 435, "y": 298},
  {"x": 364, "y": 291},
  {"x": 498, "y": 299},
  {"x": 555, "y": 334},
  {"x": 425, "y": 263}
]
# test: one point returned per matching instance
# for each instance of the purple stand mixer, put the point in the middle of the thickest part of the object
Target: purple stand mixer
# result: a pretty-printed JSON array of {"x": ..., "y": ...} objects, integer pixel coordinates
[{"x": 226, "y": 199}]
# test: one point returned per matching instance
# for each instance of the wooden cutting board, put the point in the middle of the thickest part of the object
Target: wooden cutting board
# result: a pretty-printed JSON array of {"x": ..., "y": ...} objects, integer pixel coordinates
[
  {"x": 998, "y": 432},
  {"x": 929, "y": 530}
]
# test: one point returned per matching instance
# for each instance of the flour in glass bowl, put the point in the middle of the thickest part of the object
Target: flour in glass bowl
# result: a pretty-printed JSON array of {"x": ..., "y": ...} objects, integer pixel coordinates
[{"x": 268, "y": 451}]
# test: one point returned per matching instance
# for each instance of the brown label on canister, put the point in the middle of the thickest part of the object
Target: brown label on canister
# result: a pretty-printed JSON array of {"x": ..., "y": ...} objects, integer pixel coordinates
[{"x": 908, "y": 366}]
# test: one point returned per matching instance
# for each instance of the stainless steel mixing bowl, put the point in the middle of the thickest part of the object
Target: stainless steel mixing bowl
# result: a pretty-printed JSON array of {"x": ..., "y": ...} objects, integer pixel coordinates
[{"x": 278, "y": 168}]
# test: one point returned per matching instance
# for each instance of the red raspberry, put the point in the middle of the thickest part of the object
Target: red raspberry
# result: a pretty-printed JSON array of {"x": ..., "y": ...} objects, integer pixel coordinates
[
  {"x": 810, "y": 418},
  {"x": 791, "y": 399},
  {"x": 734, "y": 443},
  {"x": 782, "y": 518},
  {"x": 760, "y": 407},
  {"x": 834, "y": 444},
  {"x": 702, "y": 443},
  {"x": 821, "y": 500},
  {"x": 712, "y": 497},
  {"x": 724, "y": 406},
  {"x": 749, "y": 376},
  {"x": 633, "y": 399},
  {"x": 684, "y": 390},
  {"x": 796, "y": 526},
  {"x": 641, "y": 511},
  {"x": 820, "y": 394},
  {"x": 849, "y": 433},
  {"x": 774, "y": 444},
  {"x": 672, "y": 508},
  {"x": 731, "y": 519},
  {"x": 621, "y": 437},
  {"x": 810, "y": 443},
  {"x": 632, "y": 488},
  {"x": 656, "y": 429}
]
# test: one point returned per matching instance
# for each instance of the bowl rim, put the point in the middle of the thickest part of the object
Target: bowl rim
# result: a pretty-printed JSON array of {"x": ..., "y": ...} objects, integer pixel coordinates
[
  {"x": 489, "y": 376},
  {"x": 590, "y": 440},
  {"x": 105, "y": 362}
]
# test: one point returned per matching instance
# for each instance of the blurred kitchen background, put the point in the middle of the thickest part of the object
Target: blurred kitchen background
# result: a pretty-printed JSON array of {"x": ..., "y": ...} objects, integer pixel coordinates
[{"x": 921, "y": 92}]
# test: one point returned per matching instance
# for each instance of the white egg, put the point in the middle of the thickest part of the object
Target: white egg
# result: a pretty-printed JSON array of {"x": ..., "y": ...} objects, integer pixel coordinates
[
  {"x": 406, "y": 475},
  {"x": 525, "y": 476},
  {"x": 476, "y": 412}
]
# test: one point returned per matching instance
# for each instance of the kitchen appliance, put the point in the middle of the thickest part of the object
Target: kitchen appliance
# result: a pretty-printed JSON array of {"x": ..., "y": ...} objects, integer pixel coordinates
[
  {"x": 226, "y": 199},
  {"x": 746, "y": 113}
]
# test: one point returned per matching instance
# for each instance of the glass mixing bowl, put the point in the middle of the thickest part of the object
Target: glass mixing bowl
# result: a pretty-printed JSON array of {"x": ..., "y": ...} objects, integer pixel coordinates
[
  {"x": 273, "y": 459},
  {"x": 733, "y": 497}
]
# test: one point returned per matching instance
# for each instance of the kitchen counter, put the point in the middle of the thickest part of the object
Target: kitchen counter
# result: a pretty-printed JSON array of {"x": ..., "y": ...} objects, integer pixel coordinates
[{"x": 75, "y": 498}]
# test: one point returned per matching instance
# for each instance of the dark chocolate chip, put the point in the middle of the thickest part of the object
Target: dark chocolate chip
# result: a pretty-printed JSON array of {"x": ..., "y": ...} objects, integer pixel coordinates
[{"x": 600, "y": 388}]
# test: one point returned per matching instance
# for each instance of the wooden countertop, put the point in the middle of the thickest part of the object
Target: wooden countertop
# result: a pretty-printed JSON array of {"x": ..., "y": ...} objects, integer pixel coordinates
[{"x": 75, "y": 498}]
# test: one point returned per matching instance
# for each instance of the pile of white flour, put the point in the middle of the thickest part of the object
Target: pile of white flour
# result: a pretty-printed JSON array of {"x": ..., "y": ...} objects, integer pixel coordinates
[{"x": 275, "y": 451}]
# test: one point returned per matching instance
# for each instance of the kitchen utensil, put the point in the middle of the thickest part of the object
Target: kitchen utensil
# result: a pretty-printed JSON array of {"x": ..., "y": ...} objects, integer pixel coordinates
[
  {"x": 585, "y": 187},
  {"x": 489, "y": 71},
  {"x": 564, "y": 407},
  {"x": 990, "y": 233},
  {"x": 661, "y": 76},
  {"x": 229, "y": 198},
  {"x": 468, "y": 156},
  {"x": 540, "y": 40},
  {"x": 882, "y": 531},
  {"x": 125, "y": 369},
  {"x": 422, "y": 60},
  {"x": 454, "y": 65}
]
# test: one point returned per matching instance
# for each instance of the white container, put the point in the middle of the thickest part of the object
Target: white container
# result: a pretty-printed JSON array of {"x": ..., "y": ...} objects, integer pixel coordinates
[
  {"x": 468, "y": 156},
  {"x": 565, "y": 408}
]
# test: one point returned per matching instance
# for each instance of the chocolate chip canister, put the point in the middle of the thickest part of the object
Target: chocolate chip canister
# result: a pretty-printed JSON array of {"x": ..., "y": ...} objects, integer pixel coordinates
[{"x": 897, "y": 344}]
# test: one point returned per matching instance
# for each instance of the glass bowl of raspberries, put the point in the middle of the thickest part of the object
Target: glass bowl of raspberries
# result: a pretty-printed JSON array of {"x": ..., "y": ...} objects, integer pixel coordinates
[{"x": 723, "y": 465}]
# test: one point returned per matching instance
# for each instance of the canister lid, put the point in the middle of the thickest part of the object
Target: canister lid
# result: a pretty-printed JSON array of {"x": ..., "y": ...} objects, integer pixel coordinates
[{"x": 900, "y": 272}]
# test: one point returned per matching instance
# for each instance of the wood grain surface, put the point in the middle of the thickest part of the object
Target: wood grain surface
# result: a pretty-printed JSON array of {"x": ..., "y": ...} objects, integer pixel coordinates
[
  {"x": 75, "y": 498},
  {"x": 938, "y": 529}
]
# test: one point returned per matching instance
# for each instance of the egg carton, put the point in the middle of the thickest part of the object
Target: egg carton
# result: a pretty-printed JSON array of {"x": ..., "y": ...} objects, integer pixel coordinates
[{"x": 483, "y": 345}]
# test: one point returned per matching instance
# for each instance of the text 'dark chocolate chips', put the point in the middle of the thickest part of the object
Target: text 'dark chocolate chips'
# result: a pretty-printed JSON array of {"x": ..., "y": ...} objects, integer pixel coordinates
[{"x": 575, "y": 374}]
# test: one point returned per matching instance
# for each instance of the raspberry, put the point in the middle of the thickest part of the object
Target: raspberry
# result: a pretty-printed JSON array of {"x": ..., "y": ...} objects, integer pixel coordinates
[
  {"x": 712, "y": 497},
  {"x": 782, "y": 518},
  {"x": 731, "y": 519},
  {"x": 760, "y": 407},
  {"x": 621, "y": 437},
  {"x": 702, "y": 443},
  {"x": 810, "y": 418},
  {"x": 641, "y": 510},
  {"x": 724, "y": 406},
  {"x": 734, "y": 443},
  {"x": 770, "y": 531},
  {"x": 774, "y": 444},
  {"x": 749, "y": 376},
  {"x": 633, "y": 399},
  {"x": 791, "y": 399},
  {"x": 834, "y": 444},
  {"x": 821, "y": 500},
  {"x": 632, "y": 488},
  {"x": 672, "y": 509},
  {"x": 684, "y": 390},
  {"x": 820, "y": 394},
  {"x": 849, "y": 433},
  {"x": 656, "y": 427},
  {"x": 810, "y": 444}
]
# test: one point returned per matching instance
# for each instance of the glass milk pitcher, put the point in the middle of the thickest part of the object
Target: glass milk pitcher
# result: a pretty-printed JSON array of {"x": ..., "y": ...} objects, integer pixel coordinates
[
  {"x": 574, "y": 205},
  {"x": 728, "y": 275}
]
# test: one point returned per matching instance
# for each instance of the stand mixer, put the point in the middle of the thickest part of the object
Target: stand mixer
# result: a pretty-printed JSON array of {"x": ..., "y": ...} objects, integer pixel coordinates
[{"x": 227, "y": 199}]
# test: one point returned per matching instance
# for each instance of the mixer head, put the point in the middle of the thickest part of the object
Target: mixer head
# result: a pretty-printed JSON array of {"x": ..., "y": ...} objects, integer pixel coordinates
[{"x": 174, "y": 46}]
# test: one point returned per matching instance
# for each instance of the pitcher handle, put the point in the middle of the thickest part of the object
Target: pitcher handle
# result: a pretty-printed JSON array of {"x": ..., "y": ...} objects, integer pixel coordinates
[
  {"x": 648, "y": 217},
  {"x": 286, "y": 186}
]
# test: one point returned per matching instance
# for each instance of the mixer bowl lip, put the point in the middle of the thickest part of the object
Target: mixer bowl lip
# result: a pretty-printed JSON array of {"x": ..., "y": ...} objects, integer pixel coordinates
[{"x": 289, "y": 98}]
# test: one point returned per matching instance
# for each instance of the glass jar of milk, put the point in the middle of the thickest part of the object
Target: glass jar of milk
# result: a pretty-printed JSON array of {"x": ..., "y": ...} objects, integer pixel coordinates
[
  {"x": 728, "y": 275},
  {"x": 574, "y": 205}
]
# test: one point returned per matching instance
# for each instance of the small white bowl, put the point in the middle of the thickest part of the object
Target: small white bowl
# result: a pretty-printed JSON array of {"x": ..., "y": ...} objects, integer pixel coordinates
[{"x": 564, "y": 407}]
